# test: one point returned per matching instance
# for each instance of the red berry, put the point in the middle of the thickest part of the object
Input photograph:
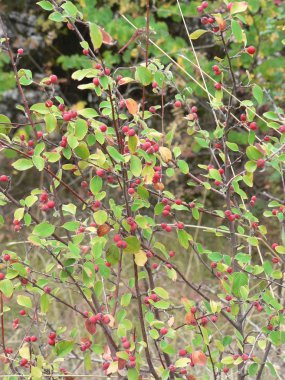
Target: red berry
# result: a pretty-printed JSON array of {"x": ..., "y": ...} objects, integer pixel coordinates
[
  {"x": 23, "y": 362},
  {"x": 229, "y": 6},
  {"x": 93, "y": 319},
  {"x": 253, "y": 126},
  {"x": 177, "y": 104},
  {"x": 2, "y": 276},
  {"x": 22, "y": 312},
  {"x": 53, "y": 78},
  {"x": 260, "y": 163},
  {"x": 251, "y": 50},
  {"x": 103, "y": 128},
  {"x": 105, "y": 366},
  {"x": 52, "y": 335},
  {"x": 4, "y": 178},
  {"x": 163, "y": 331},
  {"x": 50, "y": 204},
  {"x": 85, "y": 51},
  {"x": 96, "y": 81},
  {"x": 20, "y": 51},
  {"x": 39, "y": 134},
  {"x": 100, "y": 172},
  {"x": 47, "y": 289},
  {"x": 49, "y": 103},
  {"x": 218, "y": 86},
  {"x": 126, "y": 345}
]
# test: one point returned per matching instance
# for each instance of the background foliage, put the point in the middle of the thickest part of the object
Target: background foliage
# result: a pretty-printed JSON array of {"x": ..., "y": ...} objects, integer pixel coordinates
[{"x": 203, "y": 250}]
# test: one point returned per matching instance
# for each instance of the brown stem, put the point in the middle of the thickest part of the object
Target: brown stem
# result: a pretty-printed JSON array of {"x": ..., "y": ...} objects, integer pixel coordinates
[
  {"x": 142, "y": 323},
  {"x": 14, "y": 66}
]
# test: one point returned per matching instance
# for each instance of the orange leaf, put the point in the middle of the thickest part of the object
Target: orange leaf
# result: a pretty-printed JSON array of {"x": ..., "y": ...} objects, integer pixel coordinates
[
  {"x": 103, "y": 230},
  {"x": 220, "y": 21},
  {"x": 107, "y": 354},
  {"x": 107, "y": 38},
  {"x": 132, "y": 106},
  {"x": 121, "y": 363},
  {"x": 90, "y": 327},
  {"x": 199, "y": 358},
  {"x": 190, "y": 319}
]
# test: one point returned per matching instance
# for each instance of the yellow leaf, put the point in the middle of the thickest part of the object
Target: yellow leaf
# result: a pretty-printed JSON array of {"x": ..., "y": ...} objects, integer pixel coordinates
[
  {"x": 165, "y": 153},
  {"x": 132, "y": 106},
  {"x": 24, "y": 352},
  {"x": 140, "y": 258}
]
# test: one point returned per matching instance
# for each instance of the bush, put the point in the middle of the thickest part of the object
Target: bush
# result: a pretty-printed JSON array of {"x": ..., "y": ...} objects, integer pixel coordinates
[{"x": 113, "y": 269}]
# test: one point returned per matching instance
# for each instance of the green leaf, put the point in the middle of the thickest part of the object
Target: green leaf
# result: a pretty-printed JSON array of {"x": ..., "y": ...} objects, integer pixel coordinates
[
  {"x": 81, "y": 129},
  {"x": 46, "y": 5},
  {"x": 100, "y": 217},
  {"x": 162, "y": 293},
  {"x": 71, "y": 226},
  {"x": 70, "y": 9},
  {"x": 50, "y": 122},
  {"x": 258, "y": 94},
  {"x": 23, "y": 164},
  {"x": 5, "y": 124},
  {"x": 6, "y": 287},
  {"x": 44, "y": 303},
  {"x": 56, "y": 17},
  {"x": 238, "y": 7},
  {"x": 143, "y": 75},
  {"x": 44, "y": 229},
  {"x": 250, "y": 166},
  {"x": 64, "y": 348},
  {"x": 253, "y": 153},
  {"x": 115, "y": 154},
  {"x": 232, "y": 146},
  {"x": 182, "y": 362},
  {"x": 136, "y": 166},
  {"x": 197, "y": 34},
  {"x": 82, "y": 150},
  {"x": 39, "y": 162},
  {"x": 95, "y": 35},
  {"x": 239, "y": 280},
  {"x": 24, "y": 301},
  {"x": 161, "y": 305},
  {"x": 237, "y": 30},
  {"x": 89, "y": 113},
  {"x": 133, "y": 246},
  {"x": 183, "y": 166},
  {"x": 133, "y": 374},
  {"x": 96, "y": 184},
  {"x": 36, "y": 373}
]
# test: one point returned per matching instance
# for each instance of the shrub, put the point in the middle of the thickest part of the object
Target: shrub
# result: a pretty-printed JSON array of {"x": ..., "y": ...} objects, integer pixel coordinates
[{"x": 109, "y": 274}]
